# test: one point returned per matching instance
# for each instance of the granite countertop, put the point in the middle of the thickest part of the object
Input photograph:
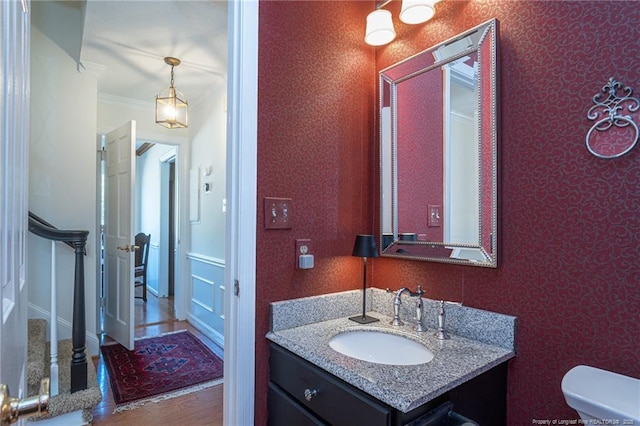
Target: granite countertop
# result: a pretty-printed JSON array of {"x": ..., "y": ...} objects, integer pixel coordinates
[{"x": 455, "y": 361}]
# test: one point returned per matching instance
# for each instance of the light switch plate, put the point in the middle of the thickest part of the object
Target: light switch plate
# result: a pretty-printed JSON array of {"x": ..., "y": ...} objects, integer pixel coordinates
[
  {"x": 277, "y": 213},
  {"x": 435, "y": 215}
]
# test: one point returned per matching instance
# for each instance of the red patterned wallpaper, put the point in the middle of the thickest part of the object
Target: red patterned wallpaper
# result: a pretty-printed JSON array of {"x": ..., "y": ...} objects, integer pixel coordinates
[
  {"x": 569, "y": 222},
  {"x": 316, "y": 144}
]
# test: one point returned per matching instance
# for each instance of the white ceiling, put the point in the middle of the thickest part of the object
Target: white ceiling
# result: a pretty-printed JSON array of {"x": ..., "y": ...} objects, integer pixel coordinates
[{"x": 131, "y": 38}]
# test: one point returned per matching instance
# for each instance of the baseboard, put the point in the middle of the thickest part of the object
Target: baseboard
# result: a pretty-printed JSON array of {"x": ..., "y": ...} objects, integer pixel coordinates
[
  {"x": 203, "y": 328},
  {"x": 64, "y": 329},
  {"x": 152, "y": 291}
]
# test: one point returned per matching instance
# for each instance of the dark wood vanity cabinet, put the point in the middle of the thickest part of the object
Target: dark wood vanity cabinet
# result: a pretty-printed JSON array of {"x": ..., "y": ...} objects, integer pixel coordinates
[{"x": 301, "y": 393}]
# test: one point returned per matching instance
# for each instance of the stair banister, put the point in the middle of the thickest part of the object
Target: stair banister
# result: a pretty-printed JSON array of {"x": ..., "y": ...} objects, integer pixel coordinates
[{"x": 77, "y": 240}]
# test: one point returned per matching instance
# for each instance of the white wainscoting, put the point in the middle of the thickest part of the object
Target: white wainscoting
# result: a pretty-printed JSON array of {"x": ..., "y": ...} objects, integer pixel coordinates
[
  {"x": 153, "y": 265},
  {"x": 206, "y": 308}
]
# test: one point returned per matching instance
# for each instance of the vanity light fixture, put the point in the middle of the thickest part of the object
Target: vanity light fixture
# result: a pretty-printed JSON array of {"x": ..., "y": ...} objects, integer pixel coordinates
[
  {"x": 171, "y": 106},
  {"x": 417, "y": 11},
  {"x": 380, "y": 31},
  {"x": 379, "y": 28},
  {"x": 364, "y": 247}
]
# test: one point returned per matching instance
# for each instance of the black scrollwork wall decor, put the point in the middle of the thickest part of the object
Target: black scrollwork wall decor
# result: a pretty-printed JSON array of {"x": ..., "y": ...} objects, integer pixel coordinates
[{"x": 615, "y": 112}]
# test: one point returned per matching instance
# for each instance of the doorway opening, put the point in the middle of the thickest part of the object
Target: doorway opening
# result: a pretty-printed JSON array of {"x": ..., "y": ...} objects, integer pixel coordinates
[
  {"x": 156, "y": 212},
  {"x": 160, "y": 305}
]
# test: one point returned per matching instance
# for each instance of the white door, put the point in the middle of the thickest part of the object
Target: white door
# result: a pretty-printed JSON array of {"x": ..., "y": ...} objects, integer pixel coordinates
[
  {"x": 14, "y": 126},
  {"x": 118, "y": 234}
]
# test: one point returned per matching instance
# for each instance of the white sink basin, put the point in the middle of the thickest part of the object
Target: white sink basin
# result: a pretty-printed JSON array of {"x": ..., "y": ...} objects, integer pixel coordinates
[{"x": 380, "y": 348}]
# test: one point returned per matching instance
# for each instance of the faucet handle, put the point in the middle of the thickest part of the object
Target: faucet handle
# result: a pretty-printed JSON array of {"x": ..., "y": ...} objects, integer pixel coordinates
[
  {"x": 441, "y": 334},
  {"x": 418, "y": 292},
  {"x": 419, "y": 316}
]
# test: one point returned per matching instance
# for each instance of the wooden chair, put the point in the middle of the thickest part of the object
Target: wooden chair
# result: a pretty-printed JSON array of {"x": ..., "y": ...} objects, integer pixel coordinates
[{"x": 142, "y": 257}]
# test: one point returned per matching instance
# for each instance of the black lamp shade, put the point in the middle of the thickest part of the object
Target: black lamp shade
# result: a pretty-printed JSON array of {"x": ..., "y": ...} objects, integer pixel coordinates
[{"x": 365, "y": 246}]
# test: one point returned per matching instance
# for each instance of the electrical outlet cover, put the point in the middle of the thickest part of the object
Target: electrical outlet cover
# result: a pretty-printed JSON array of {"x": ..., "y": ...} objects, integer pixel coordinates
[{"x": 303, "y": 246}]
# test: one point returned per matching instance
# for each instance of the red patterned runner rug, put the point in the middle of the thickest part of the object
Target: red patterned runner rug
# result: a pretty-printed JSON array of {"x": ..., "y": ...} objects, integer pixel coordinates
[{"x": 160, "y": 368}]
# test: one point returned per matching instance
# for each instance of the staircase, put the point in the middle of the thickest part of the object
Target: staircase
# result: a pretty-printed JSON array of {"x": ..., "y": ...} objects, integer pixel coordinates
[{"x": 66, "y": 408}]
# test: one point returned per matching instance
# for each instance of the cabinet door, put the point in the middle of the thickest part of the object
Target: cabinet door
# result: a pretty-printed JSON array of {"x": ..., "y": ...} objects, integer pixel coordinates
[
  {"x": 483, "y": 398},
  {"x": 333, "y": 400}
]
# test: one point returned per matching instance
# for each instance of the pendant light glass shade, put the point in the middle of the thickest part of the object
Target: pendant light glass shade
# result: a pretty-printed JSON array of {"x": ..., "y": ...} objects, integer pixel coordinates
[
  {"x": 379, "y": 28},
  {"x": 171, "y": 106},
  {"x": 417, "y": 11}
]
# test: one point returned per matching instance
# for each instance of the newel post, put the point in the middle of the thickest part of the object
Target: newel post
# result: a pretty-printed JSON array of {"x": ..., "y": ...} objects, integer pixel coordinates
[{"x": 79, "y": 358}]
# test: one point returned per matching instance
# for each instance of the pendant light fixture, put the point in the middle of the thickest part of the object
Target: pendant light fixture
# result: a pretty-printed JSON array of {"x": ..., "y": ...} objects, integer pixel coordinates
[{"x": 171, "y": 106}]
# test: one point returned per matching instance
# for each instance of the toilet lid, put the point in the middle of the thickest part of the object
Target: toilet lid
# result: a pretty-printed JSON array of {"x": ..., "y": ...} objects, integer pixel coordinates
[{"x": 611, "y": 391}]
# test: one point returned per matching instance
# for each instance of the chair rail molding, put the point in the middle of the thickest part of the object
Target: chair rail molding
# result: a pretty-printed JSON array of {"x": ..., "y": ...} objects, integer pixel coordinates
[{"x": 206, "y": 259}]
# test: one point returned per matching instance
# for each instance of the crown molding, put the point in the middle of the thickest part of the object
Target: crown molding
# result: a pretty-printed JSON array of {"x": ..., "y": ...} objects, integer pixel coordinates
[{"x": 121, "y": 100}]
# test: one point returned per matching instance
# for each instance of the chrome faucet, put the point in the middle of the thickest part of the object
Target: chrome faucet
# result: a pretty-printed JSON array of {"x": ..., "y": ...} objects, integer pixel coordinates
[
  {"x": 396, "y": 307},
  {"x": 397, "y": 301}
]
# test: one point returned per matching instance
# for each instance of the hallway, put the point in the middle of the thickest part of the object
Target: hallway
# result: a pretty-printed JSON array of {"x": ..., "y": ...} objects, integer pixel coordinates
[{"x": 198, "y": 408}]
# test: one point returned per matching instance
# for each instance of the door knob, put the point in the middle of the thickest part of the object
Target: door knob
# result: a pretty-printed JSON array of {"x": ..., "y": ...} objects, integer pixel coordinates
[{"x": 13, "y": 408}]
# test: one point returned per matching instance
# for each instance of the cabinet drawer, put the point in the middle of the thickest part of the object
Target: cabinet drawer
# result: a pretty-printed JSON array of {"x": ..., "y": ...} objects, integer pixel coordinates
[
  {"x": 334, "y": 401},
  {"x": 283, "y": 410}
]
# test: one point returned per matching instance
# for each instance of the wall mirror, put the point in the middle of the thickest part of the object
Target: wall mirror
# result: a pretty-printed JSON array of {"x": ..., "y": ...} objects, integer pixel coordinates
[{"x": 438, "y": 152}]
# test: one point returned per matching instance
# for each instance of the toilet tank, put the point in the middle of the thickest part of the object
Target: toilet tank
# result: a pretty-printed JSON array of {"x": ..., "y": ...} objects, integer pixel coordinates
[{"x": 601, "y": 394}]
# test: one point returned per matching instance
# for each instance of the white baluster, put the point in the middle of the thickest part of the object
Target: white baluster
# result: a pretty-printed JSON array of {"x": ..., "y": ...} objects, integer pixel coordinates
[{"x": 54, "y": 325}]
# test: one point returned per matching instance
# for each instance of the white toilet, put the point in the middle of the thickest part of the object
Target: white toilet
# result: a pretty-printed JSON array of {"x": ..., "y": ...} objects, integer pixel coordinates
[{"x": 602, "y": 395}]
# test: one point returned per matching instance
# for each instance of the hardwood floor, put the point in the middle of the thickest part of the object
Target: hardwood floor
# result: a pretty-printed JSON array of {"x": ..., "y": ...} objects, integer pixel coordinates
[{"x": 198, "y": 408}]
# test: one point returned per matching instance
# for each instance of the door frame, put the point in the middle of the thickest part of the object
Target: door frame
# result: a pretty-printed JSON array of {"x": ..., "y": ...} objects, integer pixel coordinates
[
  {"x": 242, "y": 95},
  {"x": 242, "y": 147},
  {"x": 163, "y": 273}
]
